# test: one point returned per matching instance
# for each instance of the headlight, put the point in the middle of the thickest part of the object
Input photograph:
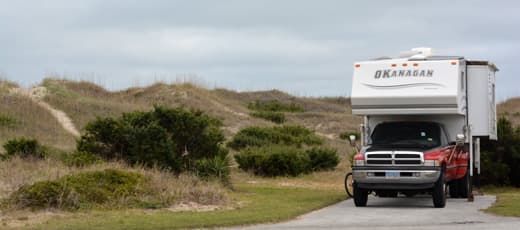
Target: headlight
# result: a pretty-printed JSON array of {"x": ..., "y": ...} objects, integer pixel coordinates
[
  {"x": 431, "y": 163},
  {"x": 359, "y": 162}
]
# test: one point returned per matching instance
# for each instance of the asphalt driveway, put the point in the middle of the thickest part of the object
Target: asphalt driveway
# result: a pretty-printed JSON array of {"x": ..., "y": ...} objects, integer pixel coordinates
[{"x": 401, "y": 213}]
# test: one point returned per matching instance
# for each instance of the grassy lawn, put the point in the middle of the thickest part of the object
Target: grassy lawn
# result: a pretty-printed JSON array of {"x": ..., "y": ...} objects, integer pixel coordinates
[
  {"x": 258, "y": 204},
  {"x": 508, "y": 201}
]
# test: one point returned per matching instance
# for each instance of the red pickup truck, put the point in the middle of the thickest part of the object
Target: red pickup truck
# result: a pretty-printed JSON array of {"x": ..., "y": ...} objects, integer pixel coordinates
[{"x": 409, "y": 158}]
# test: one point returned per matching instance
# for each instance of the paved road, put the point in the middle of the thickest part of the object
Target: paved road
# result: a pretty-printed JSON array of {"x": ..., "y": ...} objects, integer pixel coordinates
[{"x": 401, "y": 213}]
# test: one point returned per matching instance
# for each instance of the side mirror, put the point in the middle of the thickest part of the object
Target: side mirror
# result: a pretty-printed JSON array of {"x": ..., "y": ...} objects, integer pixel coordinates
[
  {"x": 352, "y": 139},
  {"x": 460, "y": 140}
]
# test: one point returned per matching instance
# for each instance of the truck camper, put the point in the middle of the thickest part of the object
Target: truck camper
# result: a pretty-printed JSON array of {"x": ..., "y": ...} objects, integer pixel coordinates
[{"x": 424, "y": 116}]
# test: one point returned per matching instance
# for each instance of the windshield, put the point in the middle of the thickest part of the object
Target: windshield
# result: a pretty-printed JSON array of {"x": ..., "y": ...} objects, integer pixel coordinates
[{"x": 407, "y": 134}]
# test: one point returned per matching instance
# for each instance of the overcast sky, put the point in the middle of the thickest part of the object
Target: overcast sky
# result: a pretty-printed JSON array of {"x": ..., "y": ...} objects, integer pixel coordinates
[{"x": 303, "y": 47}]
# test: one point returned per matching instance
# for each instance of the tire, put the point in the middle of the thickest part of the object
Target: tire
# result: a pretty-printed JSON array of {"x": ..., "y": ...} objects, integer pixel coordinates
[
  {"x": 453, "y": 187},
  {"x": 360, "y": 196},
  {"x": 349, "y": 185},
  {"x": 439, "y": 192},
  {"x": 464, "y": 186}
]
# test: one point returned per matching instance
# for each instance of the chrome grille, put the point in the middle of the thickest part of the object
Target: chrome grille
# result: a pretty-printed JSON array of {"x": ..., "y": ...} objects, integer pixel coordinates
[{"x": 385, "y": 158}]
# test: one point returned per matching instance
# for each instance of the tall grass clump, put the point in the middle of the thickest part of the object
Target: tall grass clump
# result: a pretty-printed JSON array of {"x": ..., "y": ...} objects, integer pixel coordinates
[
  {"x": 36, "y": 183},
  {"x": 105, "y": 188}
]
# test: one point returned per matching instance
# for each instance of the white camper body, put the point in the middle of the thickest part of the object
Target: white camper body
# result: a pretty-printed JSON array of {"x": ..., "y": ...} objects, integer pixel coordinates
[{"x": 453, "y": 91}]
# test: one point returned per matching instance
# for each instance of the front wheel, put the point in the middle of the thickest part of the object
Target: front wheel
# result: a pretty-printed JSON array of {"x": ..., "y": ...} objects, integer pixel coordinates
[
  {"x": 349, "y": 185},
  {"x": 360, "y": 196},
  {"x": 439, "y": 192}
]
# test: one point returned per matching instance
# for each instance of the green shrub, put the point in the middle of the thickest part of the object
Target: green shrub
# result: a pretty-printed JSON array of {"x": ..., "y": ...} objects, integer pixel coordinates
[
  {"x": 274, "y": 106},
  {"x": 25, "y": 148},
  {"x": 346, "y": 135},
  {"x": 500, "y": 160},
  {"x": 7, "y": 121},
  {"x": 274, "y": 161},
  {"x": 323, "y": 158},
  {"x": 81, "y": 159},
  {"x": 106, "y": 188},
  {"x": 280, "y": 135},
  {"x": 276, "y": 117},
  {"x": 217, "y": 167},
  {"x": 167, "y": 137},
  {"x": 286, "y": 161}
]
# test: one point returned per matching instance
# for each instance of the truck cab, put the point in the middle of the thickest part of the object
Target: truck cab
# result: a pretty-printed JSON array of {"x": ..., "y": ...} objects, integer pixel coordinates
[
  {"x": 423, "y": 117},
  {"x": 410, "y": 157}
]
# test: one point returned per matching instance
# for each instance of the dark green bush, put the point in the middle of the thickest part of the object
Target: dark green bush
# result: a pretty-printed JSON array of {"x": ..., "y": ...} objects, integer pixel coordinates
[
  {"x": 323, "y": 158},
  {"x": 500, "y": 160},
  {"x": 81, "y": 159},
  {"x": 280, "y": 135},
  {"x": 286, "y": 161},
  {"x": 274, "y": 161},
  {"x": 25, "y": 148},
  {"x": 275, "y": 106},
  {"x": 217, "y": 167},
  {"x": 83, "y": 190},
  {"x": 346, "y": 135},
  {"x": 168, "y": 137},
  {"x": 276, "y": 117}
]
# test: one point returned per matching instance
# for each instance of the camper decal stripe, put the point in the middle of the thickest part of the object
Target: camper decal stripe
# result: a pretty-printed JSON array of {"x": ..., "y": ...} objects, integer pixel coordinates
[{"x": 402, "y": 85}]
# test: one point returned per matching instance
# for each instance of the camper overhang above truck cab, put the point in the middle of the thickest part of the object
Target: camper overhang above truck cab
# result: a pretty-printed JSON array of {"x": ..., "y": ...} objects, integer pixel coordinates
[{"x": 432, "y": 85}]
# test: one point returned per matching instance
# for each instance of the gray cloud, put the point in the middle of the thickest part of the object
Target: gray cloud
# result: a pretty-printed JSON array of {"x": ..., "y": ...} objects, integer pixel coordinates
[{"x": 303, "y": 47}]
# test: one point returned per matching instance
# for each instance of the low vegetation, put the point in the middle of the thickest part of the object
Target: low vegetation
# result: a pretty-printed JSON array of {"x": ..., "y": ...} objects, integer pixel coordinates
[
  {"x": 260, "y": 205},
  {"x": 276, "y": 117},
  {"x": 24, "y": 148},
  {"x": 286, "y": 161},
  {"x": 80, "y": 159},
  {"x": 275, "y": 106},
  {"x": 7, "y": 121},
  {"x": 281, "y": 151},
  {"x": 279, "y": 135},
  {"x": 273, "y": 110}
]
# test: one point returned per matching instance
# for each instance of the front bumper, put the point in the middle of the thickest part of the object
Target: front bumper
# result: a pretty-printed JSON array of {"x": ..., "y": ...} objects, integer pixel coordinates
[{"x": 395, "y": 177}]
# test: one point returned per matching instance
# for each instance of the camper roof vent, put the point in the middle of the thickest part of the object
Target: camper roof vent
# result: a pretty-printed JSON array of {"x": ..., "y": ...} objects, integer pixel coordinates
[{"x": 417, "y": 53}]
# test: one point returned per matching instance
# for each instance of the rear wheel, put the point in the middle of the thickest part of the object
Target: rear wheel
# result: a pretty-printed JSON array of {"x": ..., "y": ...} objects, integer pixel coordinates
[
  {"x": 360, "y": 196},
  {"x": 439, "y": 192},
  {"x": 464, "y": 186},
  {"x": 453, "y": 187}
]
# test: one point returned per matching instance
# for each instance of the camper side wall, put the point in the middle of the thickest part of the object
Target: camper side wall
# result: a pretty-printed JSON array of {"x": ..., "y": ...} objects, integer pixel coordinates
[{"x": 481, "y": 100}]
